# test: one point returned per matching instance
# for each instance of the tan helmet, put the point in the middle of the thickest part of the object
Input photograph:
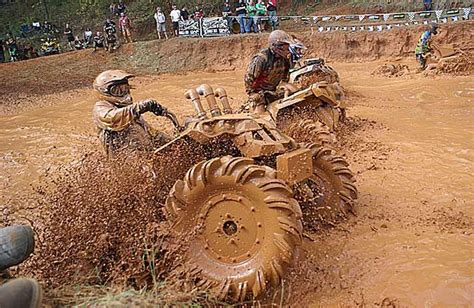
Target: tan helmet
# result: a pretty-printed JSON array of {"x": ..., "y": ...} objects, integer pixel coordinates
[
  {"x": 279, "y": 36},
  {"x": 105, "y": 80}
]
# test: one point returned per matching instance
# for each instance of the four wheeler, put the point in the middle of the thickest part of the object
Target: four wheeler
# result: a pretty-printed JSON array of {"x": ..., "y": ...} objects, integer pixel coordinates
[
  {"x": 49, "y": 46},
  {"x": 243, "y": 191},
  {"x": 315, "y": 70}
]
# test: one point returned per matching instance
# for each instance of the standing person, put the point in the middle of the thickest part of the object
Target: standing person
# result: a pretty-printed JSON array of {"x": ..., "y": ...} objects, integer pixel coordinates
[
  {"x": 424, "y": 47},
  {"x": 175, "y": 18},
  {"x": 227, "y": 13},
  {"x": 160, "y": 23},
  {"x": 198, "y": 12},
  {"x": 261, "y": 11},
  {"x": 88, "y": 37},
  {"x": 113, "y": 8},
  {"x": 125, "y": 26},
  {"x": 2, "y": 52},
  {"x": 121, "y": 7},
  {"x": 69, "y": 36},
  {"x": 267, "y": 69},
  {"x": 272, "y": 12},
  {"x": 427, "y": 5},
  {"x": 241, "y": 15},
  {"x": 184, "y": 14},
  {"x": 251, "y": 12}
]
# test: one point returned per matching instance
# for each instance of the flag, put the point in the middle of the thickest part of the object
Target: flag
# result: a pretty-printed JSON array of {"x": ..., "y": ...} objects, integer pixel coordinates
[
  {"x": 438, "y": 14},
  {"x": 338, "y": 17},
  {"x": 386, "y": 17},
  {"x": 411, "y": 16},
  {"x": 326, "y": 18},
  {"x": 361, "y": 17}
]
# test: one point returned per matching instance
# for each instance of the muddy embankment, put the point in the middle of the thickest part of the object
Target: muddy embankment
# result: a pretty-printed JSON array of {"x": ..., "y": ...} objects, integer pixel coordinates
[{"x": 23, "y": 82}]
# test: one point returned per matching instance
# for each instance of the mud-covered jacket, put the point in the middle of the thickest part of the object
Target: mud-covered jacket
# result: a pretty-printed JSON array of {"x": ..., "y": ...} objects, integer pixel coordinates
[
  {"x": 265, "y": 71},
  {"x": 121, "y": 128},
  {"x": 423, "y": 45}
]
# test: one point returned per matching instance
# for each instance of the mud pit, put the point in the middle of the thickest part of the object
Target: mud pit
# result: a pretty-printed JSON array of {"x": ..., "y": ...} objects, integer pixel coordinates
[{"x": 411, "y": 243}]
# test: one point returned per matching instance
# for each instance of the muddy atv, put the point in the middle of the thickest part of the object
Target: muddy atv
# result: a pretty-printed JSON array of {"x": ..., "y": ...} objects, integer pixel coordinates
[
  {"x": 309, "y": 115},
  {"x": 244, "y": 192},
  {"x": 315, "y": 70}
]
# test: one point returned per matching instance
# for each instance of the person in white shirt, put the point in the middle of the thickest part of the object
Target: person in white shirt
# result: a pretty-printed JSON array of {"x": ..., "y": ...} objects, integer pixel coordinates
[
  {"x": 175, "y": 17},
  {"x": 160, "y": 23}
]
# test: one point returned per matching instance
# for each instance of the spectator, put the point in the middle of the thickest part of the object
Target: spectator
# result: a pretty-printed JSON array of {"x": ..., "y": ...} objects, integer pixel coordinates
[
  {"x": 109, "y": 23},
  {"x": 12, "y": 47},
  {"x": 241, "y": 12},
  {"x": 78, "y": 43},
  {"x": 121, "y": 8},
  {"x": 272, "y": 12},
  {"x": 88, "y": 37},
  {"x": 125, "y": 26},
  {"x": 2, "y": 52},
  {"x": 160, "y": 23},
  {"x": 198, "y": 13},
  {"x": 427, "y": 5},
  {"x": 99, "y": 41},
  {"x": 261, "y": 11},
  {"x": 69, "y": 36},
  {"x": 113, "y": 9},
  {"x": 227, "y": 13},
  {"x": 175, "y": 18},
  {"x": 251, "y": 12},
  {"x": 184, "y": 14}
]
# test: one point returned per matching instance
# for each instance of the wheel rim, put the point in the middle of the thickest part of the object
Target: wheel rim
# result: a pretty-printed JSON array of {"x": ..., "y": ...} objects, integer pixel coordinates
[{"x": 233, "y": 230}]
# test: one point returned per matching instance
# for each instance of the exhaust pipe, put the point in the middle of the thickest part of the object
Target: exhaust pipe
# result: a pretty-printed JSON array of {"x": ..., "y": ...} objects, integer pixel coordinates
[
  {"x": 208, "y": 93},
  {"x": 196, "y": 100},
  {"x": 222, "y": 95}
]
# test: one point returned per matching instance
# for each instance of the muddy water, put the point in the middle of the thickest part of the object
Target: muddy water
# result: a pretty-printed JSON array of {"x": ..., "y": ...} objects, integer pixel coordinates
[{"x": 412, "y": 240}]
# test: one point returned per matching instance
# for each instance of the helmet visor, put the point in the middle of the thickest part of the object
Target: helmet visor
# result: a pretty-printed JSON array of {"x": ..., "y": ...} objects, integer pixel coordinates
[{"x": 119, "y": 90}]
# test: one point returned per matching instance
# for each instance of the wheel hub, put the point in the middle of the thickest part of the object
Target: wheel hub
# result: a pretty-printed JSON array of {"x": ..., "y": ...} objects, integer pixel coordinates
[{"x": 233, "y": 228}]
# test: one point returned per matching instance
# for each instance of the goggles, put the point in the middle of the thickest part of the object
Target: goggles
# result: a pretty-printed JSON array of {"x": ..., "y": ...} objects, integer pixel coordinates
[{"x": 119, "y": 90}]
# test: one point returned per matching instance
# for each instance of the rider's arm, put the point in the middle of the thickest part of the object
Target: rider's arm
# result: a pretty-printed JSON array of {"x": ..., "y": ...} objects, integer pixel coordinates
[
  {"x": 116, "y": 119},
  {"x": 254, "y": 70}
]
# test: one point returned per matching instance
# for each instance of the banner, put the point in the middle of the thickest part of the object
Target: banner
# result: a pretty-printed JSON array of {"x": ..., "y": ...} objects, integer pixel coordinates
[
  {"x": 190, "y": 27},
  {"x": 214, "y": 26}
]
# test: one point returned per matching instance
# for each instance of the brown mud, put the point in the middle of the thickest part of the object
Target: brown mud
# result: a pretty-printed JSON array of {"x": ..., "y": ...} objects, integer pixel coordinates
[{"x": 408, "y": 140}]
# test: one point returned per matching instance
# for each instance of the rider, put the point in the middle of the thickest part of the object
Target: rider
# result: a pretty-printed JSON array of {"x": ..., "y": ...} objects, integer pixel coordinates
[
  {"x": 119, "y": 121},
  {"x": 423, "y": 47},
  {"x": 296, "y": 51},
  {"x": 267, "y": 69}
]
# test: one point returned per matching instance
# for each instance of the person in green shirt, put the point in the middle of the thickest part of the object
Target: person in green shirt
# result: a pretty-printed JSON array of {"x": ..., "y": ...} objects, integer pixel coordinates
[
  {"x": 261, "y": 11},
  {"x": 251, "y": 15}
]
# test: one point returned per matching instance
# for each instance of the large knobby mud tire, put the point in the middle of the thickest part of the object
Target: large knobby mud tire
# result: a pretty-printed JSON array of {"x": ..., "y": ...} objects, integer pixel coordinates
[
  {"x": 248, "y": 226},
  {"x": 311, "y": 131},
  {"x": 330, "y": 194}
]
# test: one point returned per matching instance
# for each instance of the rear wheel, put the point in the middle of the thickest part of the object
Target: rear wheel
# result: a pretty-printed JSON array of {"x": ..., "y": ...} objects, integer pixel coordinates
[
  {"x": 246, "y": 222},
  {"x": 311, "y": 131},
  {"x": 330, "y": 194}
]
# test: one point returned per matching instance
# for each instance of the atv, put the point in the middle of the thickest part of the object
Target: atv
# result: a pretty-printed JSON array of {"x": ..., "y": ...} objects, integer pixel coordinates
[
  {"x": 243, "y": 192},
  {"x": 49, "y": 46},
  {"x": 315, "y": 70}
]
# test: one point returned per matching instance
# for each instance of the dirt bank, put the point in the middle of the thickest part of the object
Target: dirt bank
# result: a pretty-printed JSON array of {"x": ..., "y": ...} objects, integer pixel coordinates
[{"x": 23, "y": 82}]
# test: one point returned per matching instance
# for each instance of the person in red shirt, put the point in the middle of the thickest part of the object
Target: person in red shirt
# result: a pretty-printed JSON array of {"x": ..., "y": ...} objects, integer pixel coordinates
[
  {"x": 125, "y": 26},
  {"x": 272, "y": 13}
]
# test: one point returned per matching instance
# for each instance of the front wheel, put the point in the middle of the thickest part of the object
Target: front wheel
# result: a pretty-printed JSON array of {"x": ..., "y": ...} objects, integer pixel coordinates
[{"x": 246, "y": 222}]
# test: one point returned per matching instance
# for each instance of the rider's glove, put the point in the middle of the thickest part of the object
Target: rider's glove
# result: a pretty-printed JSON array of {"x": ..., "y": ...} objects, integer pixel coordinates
[{"x": 150, "y": 105}]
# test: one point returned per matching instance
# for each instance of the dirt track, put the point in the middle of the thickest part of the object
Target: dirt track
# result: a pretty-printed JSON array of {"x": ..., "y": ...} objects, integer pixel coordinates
[{"x": 411, "y": 243}]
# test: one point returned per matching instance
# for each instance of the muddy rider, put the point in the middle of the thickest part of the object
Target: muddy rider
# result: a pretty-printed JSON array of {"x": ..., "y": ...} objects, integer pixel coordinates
[
  {"x": 267, "y": 69},
  {"x": 119, "y": 121},
  {"x": 423, "y": 47}
]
